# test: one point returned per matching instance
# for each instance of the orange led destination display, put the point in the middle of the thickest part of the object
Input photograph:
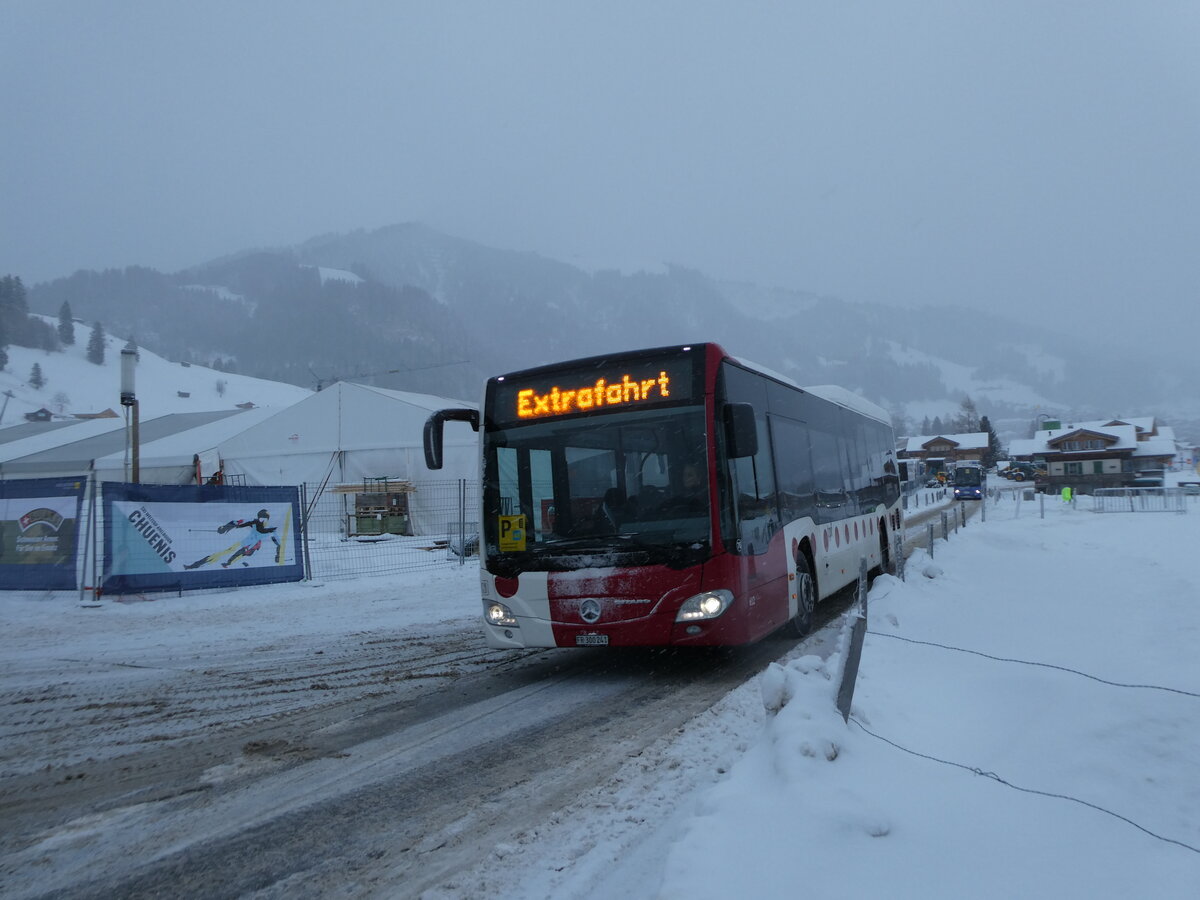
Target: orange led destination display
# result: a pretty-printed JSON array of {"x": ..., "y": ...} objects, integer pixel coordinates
[
  {"x": 571, "y": 391},
  {"x": 557, "y": 402}
]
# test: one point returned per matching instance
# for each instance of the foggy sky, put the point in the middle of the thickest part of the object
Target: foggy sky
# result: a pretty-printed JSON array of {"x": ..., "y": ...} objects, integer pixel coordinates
[{"x": 1034, "y": 157}]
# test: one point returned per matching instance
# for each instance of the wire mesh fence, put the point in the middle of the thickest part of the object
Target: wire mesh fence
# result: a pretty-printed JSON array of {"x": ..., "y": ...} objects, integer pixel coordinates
[{"x": 378, "y": 528}]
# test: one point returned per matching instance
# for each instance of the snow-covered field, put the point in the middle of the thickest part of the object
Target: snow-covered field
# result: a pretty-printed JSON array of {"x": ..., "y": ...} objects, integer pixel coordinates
[
  {"x": 72, "y": 385},
  {"x": 1026, "y": 723}
]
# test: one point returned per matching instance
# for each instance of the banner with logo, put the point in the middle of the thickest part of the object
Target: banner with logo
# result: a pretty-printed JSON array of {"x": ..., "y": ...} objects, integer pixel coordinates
[
  {"x": 188, "y": 537},
  {"x": 39, "y": 528}
]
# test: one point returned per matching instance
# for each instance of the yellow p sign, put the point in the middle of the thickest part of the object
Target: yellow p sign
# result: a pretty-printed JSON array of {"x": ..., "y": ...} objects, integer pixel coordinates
[{"x": 512, "y": 533}]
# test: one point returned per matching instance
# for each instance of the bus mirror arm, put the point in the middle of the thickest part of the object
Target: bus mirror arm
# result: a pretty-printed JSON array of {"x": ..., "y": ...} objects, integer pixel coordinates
[
  {"x": 433, "y": 431},
  {"x": 741, "y": 430}
]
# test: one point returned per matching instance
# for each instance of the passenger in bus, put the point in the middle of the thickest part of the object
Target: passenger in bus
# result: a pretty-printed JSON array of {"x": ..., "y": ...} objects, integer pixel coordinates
[{"x": 689, "y": 496}]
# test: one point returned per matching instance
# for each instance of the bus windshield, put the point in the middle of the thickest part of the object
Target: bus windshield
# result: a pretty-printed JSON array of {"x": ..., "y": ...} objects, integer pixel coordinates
[
  {"x": 625, "y": 480},
  {"x": 968, "y": 476}
]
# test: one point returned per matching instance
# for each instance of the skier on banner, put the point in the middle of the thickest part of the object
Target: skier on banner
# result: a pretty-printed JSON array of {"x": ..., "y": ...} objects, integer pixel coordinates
[{"x": 246, "y": 546}]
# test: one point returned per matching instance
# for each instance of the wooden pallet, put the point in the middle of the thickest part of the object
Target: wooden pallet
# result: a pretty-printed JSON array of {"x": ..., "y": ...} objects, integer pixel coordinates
[{"x": 375, "y": 487}]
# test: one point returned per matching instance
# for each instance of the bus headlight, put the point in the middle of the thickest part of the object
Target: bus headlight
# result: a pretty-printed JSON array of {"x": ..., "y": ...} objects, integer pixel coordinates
[
  {"x": 708, "y": 605},
  {"x": 498, "y": 614}
]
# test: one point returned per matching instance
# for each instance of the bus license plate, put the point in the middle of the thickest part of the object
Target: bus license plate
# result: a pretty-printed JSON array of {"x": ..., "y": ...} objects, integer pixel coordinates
[{"x": 591, "y": 640}]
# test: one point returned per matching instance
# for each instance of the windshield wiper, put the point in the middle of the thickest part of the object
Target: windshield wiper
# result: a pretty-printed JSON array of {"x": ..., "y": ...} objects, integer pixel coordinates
[{"x": 601, "y": 541}]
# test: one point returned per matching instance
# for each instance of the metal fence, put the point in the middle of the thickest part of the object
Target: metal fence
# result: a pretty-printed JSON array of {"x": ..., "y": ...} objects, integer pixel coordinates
[
  {"x": 343, "y": 541},
  {"x": 1160, "y": 499}
]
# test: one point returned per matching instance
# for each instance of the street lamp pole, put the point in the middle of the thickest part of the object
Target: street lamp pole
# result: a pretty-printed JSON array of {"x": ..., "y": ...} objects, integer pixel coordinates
[{"x": 129, "y": 400}]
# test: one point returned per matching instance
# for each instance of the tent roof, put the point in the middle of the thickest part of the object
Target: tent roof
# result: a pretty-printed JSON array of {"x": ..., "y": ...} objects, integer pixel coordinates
[
  {"x": 79, "y": 454},
  {"x": 178, "y": 448},
  {"x": 428, "y": 402},
  {"x": 50, "y": 438},
  {"x": 344, "y": 416},
  {"x": 32, "y": 429}
]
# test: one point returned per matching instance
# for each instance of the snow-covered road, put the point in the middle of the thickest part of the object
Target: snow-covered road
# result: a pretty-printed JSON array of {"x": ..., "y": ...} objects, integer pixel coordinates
[{"x": 224, "y": 763}]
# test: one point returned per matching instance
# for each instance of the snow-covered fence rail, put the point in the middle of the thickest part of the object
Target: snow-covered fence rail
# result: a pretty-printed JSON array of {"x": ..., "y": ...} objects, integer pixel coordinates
[{"x": 1158, "y": 499}]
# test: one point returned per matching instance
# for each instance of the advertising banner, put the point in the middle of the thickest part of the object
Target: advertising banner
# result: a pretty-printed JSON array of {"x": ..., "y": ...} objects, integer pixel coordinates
[
  {"x": 189, "y": 537},
  {"x": 39, "y": 527}
]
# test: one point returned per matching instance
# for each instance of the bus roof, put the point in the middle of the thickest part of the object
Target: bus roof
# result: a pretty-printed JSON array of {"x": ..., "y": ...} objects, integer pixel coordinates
[
  {"x": 852, "y": 401},
  {"x": 831, "y": 392}
]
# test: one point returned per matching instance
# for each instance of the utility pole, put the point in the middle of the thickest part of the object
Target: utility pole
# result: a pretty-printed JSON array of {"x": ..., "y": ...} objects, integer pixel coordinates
[{"x": 8, "y": 395}]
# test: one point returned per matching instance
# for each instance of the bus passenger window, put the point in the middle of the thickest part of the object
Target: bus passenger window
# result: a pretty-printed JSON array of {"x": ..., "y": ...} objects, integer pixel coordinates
[{"x": 754, "y": 493}]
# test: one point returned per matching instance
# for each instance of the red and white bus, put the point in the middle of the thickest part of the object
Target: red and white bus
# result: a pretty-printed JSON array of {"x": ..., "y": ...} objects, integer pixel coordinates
[{"x": 672, "y": 497}]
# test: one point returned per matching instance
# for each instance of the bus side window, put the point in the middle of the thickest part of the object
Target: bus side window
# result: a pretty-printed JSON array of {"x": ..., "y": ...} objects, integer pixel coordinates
[
  {"x": 754, "y": 490},
  {"x": 827, "y": 476},
  {"x": 750, "y": 508},
  {"x": 793, "y": 466}
]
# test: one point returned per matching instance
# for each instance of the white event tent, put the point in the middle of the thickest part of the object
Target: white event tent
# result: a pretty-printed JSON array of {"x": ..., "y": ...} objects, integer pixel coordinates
[
  {"x": 351, "y": 433},
  {"x": 345, "y": 434}
]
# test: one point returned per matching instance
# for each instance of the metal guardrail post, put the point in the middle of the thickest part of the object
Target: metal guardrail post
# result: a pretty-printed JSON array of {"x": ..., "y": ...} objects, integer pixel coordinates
[
  {"x": 858, "y": 630},
  {"x": 931, "y": 540},
  {"x": 945, "y": 526}
]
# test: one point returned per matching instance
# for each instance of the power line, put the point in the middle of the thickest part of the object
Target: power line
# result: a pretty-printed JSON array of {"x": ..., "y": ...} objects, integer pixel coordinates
[
  {"x": 1016, "y": 787},
  {"x": 1025, "y": 662}
]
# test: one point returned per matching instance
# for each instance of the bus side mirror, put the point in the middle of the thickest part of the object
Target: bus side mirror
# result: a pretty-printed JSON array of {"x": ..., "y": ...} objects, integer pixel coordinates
[
  {"x": 741, "y": 430},
  {"x": 433, "y": 431}
]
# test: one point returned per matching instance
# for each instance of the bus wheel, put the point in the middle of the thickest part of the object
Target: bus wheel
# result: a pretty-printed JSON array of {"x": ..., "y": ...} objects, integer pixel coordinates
[{"x": 806, "y": 599}]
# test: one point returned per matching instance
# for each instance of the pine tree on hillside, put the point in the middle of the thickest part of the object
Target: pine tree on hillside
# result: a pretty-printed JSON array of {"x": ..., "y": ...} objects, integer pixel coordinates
[
  {"x": 13, "y": 298},
  {"x": 66, "y": 325},
  {"x": 995, "y": 450},
  {"x": 95, "y": 347},
  {"x": 938, "y": 427},
  {"x": 14, "y": 309},
  {"x": 36, "y": 380}
]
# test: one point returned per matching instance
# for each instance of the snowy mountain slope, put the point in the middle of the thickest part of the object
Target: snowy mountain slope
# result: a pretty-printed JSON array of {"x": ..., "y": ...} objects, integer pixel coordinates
[
  {"x": 417, "y": 310},
  {"x": 988, "y": 393},
  {"x": 74, "y": 385}
]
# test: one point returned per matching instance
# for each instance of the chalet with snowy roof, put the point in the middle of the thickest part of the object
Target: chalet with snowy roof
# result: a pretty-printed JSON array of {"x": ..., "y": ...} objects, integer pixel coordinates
[
  {"x": 942, "y": 451},
  {"x": 1099, "y": 453}
]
